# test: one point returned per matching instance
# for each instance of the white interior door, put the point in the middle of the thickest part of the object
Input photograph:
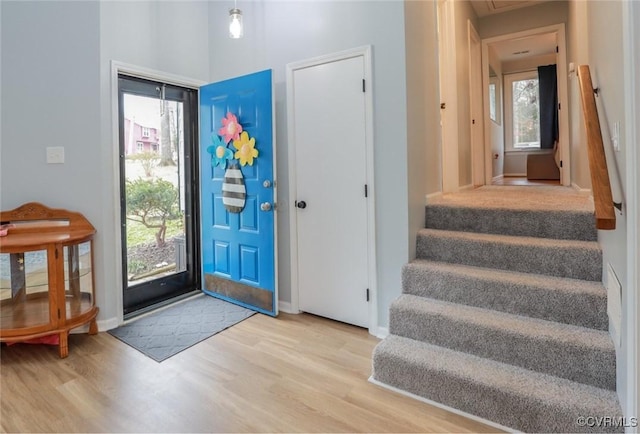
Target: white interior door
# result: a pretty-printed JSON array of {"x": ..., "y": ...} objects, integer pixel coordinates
[
  {"x": 475, "y": 94},
  {"x": 330, "y": 207}
]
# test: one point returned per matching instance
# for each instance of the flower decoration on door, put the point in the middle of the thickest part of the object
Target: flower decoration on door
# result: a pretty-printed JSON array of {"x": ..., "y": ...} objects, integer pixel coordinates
[
  {"x": 246, "y": 149},
  {"x": 234, "y": 191},
  {"x": 220, "y": 154},
  {"x": 231, "y": 128}
]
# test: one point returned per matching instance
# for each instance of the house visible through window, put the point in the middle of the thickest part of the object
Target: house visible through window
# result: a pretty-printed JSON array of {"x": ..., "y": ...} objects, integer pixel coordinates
[
  {"x": 140, "y": 146},
  {"x": 146, "y": 132},
  {"x": 154, "y": 147}
]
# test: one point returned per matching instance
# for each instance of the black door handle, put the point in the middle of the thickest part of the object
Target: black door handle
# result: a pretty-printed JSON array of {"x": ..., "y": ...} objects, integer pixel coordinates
[{"x": 301, "y": 204}]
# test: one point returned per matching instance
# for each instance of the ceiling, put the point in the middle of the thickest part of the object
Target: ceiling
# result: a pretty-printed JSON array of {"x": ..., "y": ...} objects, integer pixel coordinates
[
  {"x": 530, "y": 46},
  {"x": 490, "y": 7}
]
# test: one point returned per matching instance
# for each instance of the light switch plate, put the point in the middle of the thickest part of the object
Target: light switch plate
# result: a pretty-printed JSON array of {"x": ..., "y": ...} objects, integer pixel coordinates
[{"x": 55, "y": 155}]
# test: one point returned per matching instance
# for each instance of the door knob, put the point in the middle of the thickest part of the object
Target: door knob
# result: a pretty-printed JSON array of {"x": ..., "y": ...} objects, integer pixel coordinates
[
  {"x": 265, "y": 206},
  {"x": 301, "y": 204}
]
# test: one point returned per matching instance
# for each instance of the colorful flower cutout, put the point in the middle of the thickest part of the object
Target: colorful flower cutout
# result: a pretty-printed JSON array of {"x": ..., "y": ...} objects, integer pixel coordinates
[
  {"x": 246, "y": 149},
  {"x": 220, "y": 154},
  {"x": 231, "y": 128}
]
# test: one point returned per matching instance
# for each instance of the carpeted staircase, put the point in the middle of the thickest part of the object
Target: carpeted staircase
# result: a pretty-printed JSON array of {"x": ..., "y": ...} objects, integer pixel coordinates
[{"x": 503, "y": 316}]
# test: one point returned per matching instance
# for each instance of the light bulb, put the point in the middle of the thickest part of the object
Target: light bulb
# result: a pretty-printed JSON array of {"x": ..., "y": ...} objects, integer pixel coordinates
[{"x": 235, "y": 23}]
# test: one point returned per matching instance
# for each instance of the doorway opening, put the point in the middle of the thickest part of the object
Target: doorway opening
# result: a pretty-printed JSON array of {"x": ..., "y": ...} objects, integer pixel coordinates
[{"x": 158, "y": 191}]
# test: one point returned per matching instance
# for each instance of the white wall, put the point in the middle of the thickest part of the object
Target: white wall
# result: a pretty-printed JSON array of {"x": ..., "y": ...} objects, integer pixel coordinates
[
  {"x": 496, "y": 128},
  {"x": 277, "y": 33},
  {"x": 541, "y": 15},
  {"x": 605, "y": 31},
  {"x": 463, "y": 11},
  {"x": 578, "y": 54},
  {"x": 423, "y": 114}
]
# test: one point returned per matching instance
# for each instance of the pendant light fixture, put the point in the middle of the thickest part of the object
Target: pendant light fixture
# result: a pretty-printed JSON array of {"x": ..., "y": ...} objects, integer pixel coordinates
[{"x": 235, "y": 22}]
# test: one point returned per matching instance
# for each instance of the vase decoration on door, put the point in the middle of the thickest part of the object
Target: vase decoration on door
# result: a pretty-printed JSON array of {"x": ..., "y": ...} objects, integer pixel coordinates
[
  {"x": 234, "y": 192},
  {"x": 246, "y": 149},
  {"x": 220, "y": 154},
  {"x": 231, "y": 128}
]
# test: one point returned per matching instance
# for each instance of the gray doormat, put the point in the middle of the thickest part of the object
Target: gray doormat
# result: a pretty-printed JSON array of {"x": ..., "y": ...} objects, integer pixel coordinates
[{"x": 166, "y": 332}]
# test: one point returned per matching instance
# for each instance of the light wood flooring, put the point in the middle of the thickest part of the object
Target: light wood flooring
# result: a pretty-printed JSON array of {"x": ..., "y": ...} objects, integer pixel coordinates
[
  {"x": 522, "y": 180},
  {"x": 297, "y": 373}
]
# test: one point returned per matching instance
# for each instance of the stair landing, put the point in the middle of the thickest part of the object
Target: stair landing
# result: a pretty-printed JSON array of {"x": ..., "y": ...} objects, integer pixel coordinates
[{"x": 539, "y": 197}]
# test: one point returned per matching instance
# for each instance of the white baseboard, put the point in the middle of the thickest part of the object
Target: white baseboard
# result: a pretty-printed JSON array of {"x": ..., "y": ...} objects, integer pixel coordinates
[
  {"x": 103, "y": 326},
  {"x": 467, "y": 187},
  {"x": 497, "y": 178},
  {"x": 442, "y": 406},
  {"x": 514, "y": 174},
  {"x": 382, "y": 332},
  {"x": 285, "y": 306},
  {"x": 585, "y": 191},
  {"x": 108, "y": 324},
  {"x": 432, "y": 196}
]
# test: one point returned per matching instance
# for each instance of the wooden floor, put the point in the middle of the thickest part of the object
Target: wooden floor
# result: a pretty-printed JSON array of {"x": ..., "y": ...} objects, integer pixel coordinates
[
  {"x": 297, "y": 373},
  {"x": 522, "y": 180}
]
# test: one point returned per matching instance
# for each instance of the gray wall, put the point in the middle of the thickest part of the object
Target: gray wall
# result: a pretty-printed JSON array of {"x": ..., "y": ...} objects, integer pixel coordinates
[
  {"x": 423, "y": 113},
  {"x": 56, "y": 78},
  {"x": 56, "y": 81},
  {"x": 152, "y": 35},
  {"x": 278, "y": 33},
  {"x": 51, "y": 93}
]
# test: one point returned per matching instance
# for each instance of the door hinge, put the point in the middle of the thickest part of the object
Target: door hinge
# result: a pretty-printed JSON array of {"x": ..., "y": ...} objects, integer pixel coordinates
[
  {"x": 560, "y": 163},
  {"x": 473, "y": 121},
  {"x": 559, "y": 106},
  {"x": 59, "y": 315},
  {"x": 557, "y": 49},
  {"x": 364, "y": 87},
  {"x": 443, "y": 105},
  {"x": 366, "y": 190},
  {"x": 56, "y": 254},
  {"x": 367, "y": 294}
]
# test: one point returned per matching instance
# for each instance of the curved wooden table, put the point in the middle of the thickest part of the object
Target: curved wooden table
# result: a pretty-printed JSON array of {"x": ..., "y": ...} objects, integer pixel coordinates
[{"x": 53, "y": 300}]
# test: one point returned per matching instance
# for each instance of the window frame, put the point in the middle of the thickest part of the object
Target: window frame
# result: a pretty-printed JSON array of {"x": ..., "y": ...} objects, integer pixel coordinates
[{"x": 509, "y": 79}]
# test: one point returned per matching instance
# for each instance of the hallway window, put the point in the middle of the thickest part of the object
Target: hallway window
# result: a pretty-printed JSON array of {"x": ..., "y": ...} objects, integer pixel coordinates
[{"x": 524, "y": 106}]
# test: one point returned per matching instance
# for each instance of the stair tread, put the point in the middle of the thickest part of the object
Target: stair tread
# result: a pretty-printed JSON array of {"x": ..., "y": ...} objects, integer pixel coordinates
[
  {"x": 511, "y": 239},
  {"x": 512, "y": 379},
  {"x": 563, "y": 258},
  {"x": 543, "y": 198},
  {"x": 564, "y": 284},
  {"x": 509, "y": 323}
]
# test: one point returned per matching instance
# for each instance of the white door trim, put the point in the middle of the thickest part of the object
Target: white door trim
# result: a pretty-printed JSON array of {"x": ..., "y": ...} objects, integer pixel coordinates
[
  {"x": 563, "y": 95},
  {"x": 365, "y": 52},
  {"x": 478, "y": 150},
  {"x": 150, "y": 74},
  {"x": 448, "y": 95},
  {"x": 630, "y": 34}
]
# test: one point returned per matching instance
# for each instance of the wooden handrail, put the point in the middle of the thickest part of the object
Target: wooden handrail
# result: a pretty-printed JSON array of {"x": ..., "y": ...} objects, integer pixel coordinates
[{"x": 600, "y": 184}]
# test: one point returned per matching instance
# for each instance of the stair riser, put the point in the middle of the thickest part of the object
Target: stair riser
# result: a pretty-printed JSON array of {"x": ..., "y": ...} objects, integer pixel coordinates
[
  {"x": 581, "y": 309},
  {"x": 581, "y": 363},
  {"x": 516, "y": 411},
  {"x": 563, "y": 225},
  {"x": 560, "y": 261}
]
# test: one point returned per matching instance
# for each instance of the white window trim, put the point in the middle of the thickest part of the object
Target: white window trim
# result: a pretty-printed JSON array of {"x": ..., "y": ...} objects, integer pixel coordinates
[{"x": 508, "y": 108}]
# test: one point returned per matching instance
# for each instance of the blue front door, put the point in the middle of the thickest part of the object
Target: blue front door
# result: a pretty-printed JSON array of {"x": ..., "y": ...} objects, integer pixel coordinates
[{"x": 237, "y": 191}]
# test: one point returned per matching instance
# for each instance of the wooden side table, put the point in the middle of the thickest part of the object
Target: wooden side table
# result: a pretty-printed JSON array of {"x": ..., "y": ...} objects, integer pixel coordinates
[{"x": 46, "y": 274}]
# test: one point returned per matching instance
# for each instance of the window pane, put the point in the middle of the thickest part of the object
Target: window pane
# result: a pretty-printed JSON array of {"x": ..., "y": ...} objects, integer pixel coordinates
[{"x": 526, "y": 114}]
